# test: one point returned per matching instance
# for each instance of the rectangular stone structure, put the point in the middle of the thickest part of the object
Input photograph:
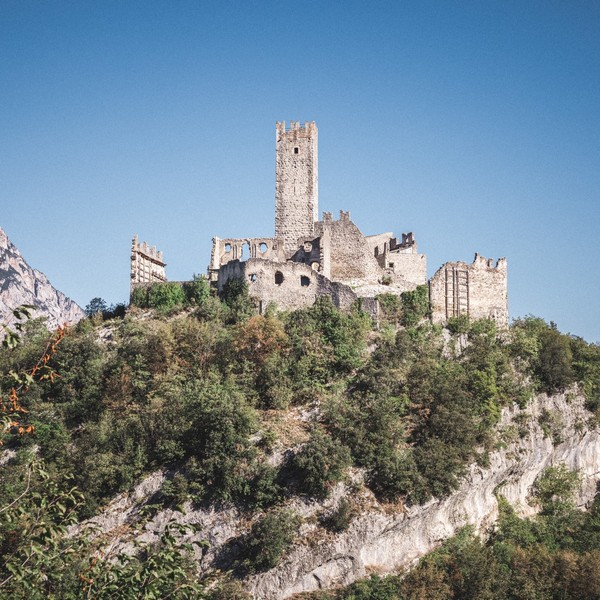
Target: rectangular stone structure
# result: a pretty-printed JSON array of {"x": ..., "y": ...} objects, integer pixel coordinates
[
  {"x": 296, "y": 183},
  {"x": 147, "y": 265}
]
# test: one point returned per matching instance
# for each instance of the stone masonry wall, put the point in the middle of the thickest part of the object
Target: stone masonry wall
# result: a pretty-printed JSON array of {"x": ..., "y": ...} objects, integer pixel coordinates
[
  {"x": 296, "y": 183},
  {"x": 409, "y": 270},
  {"x": 228, "y": 249},
  {"x": 147, "y": 265},
  {"x": 478, "y": 290},
  {"x": 351, "y": 256},
  {"x": 289, "y": 285}
]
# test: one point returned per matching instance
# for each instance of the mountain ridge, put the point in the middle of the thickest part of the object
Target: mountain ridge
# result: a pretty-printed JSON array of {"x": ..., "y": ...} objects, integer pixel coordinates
[{"x": 22, "y": 284}]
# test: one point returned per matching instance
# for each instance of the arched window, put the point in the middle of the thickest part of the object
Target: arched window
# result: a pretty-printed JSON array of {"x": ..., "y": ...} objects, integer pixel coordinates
[{"x": 278, "y": 277}]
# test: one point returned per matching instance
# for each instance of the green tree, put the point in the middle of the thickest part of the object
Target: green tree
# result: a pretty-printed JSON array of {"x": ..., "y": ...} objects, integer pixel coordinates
[
  {"x": 555, "y": 360},
  {"x": 95, "y": 306},
  {"x": 197, "y": 291}
]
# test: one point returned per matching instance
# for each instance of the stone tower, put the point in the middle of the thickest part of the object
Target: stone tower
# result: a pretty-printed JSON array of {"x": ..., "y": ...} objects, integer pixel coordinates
[{"x": 296, "y": 184}]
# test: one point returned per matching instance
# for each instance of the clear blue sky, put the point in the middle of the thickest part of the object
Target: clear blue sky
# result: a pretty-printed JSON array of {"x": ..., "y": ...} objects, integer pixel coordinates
[{"x": 476, "y": 125}]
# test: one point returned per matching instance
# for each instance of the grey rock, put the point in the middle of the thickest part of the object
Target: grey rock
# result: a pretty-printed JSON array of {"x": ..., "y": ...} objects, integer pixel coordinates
[{"x": 21, "y": 284}]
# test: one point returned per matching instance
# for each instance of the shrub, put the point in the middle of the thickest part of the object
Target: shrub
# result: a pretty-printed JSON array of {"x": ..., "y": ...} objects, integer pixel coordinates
[
  {"x": 368, "y": 424},
  {"x": 321, "y": 463},
  {"x": 391, "y": 308},
  {"x": 218, "y": 425},
  {"x": 165, "y": 296},
  {"x": 458, "y": 324},
  {"x": 552, "y": 425},
  {"x": 139, "y": 297},
  {"x": 325, "y": 341},
  {"x": 554, "y": 490},
  {"x": 197, "y": 291},
  {"x": 555, "y": 361},
  {"x": 395, "y": 475},
  {"x": 415, "y": 305},
  {"x": 586, "y": 365},
  {"x": 160, "y": 296},
  {"x": 546, "y": 352},
  {"x": 339, "y": 519},
  {"x": 236, "y": 297},
  {"x": 269, "y": 539}
]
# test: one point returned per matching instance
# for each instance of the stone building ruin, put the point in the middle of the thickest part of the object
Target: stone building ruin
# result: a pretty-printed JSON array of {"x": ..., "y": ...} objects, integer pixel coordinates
[
  {"x": 308, "y": 257},
  {"x": 147, "y": 265},
  {"x": 477, "y": 291}
]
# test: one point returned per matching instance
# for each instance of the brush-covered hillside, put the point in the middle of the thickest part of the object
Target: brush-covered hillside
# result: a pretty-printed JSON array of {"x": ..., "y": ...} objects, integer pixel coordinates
[{"x": 192, "y": 448}]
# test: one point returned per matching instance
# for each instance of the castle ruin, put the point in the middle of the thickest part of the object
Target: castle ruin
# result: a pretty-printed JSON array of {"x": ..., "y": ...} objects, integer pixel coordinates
[
  {"x": 308, "y": 257},
  {"x": 147, "y": 265}
]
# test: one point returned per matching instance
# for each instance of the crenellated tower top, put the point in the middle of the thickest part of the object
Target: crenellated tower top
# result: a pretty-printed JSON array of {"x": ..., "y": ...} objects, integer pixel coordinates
[{"x": 296, "y": 182}]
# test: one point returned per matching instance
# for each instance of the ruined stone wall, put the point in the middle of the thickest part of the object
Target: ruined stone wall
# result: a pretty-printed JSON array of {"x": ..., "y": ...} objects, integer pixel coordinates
[
  {"x": 408, "y": 270},
  {"x": 478, "y": 290},
  {"x": 400, "y": 260},
  {"x": 289, "y": 285},
  {"x": 316, "y": 253},
  {"x": 147, "y": 265},
  {"x": 228, "y": 249},
  {"x": 377, "y": 241},
  {"x": 351, "y": 256},
  {"x": 296, "y": 183}
]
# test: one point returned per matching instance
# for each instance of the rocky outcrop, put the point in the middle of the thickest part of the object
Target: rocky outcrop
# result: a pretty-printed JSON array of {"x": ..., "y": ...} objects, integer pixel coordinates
[
  {"x": 385, "y": 539},
  {"x": 20, "y": 284}
]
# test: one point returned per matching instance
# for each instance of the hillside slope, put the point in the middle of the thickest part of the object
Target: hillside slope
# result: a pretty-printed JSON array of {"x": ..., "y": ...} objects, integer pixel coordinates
[
  {"x": 21, "y": 284},
  {"x": 301, "y": 450},
  {"x": 386, "y": 538}
]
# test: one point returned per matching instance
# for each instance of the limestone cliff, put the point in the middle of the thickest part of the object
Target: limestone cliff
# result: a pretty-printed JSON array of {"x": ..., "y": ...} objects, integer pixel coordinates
[
  {"x": 385, "y": 539},
  {"x": 20, "y": 284}
]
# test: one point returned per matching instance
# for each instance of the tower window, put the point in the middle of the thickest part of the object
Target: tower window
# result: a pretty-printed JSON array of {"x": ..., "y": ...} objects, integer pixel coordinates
[
  {"x": 295, "y": 150},
  {"x": 278, "y": 277},
  {"x": 304, "y": 281}
]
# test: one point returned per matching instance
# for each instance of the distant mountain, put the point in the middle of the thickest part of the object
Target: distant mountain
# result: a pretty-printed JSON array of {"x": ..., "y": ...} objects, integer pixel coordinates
[{"x": 20, "y": 284}]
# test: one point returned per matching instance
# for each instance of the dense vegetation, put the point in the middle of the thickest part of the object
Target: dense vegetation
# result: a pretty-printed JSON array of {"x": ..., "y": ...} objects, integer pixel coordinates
[{"x": 206, "y": 389}]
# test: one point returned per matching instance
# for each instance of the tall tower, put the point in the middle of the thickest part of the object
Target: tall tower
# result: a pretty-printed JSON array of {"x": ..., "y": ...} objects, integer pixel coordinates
[{"x": 296, "y": 183}]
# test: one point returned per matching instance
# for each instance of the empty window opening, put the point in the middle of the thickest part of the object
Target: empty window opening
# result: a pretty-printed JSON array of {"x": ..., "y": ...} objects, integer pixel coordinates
[
  {"x": 304, "y": 280},
  {"x": 227, "y": 247},
  {"x": 278, "y": 277},
  {"x": 252, "y": 277},
  {"x": 295, "y": 150},
  {"x": 245, "y": 251},
  {"x": 391, "y": 265},
  {"x": 263, "y": 247}
]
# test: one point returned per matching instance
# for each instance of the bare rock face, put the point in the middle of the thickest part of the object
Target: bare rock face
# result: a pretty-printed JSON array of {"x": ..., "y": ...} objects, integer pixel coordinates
[
  {"x": 387, "y": 539},
  {"x": 20, "y": 284}
]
